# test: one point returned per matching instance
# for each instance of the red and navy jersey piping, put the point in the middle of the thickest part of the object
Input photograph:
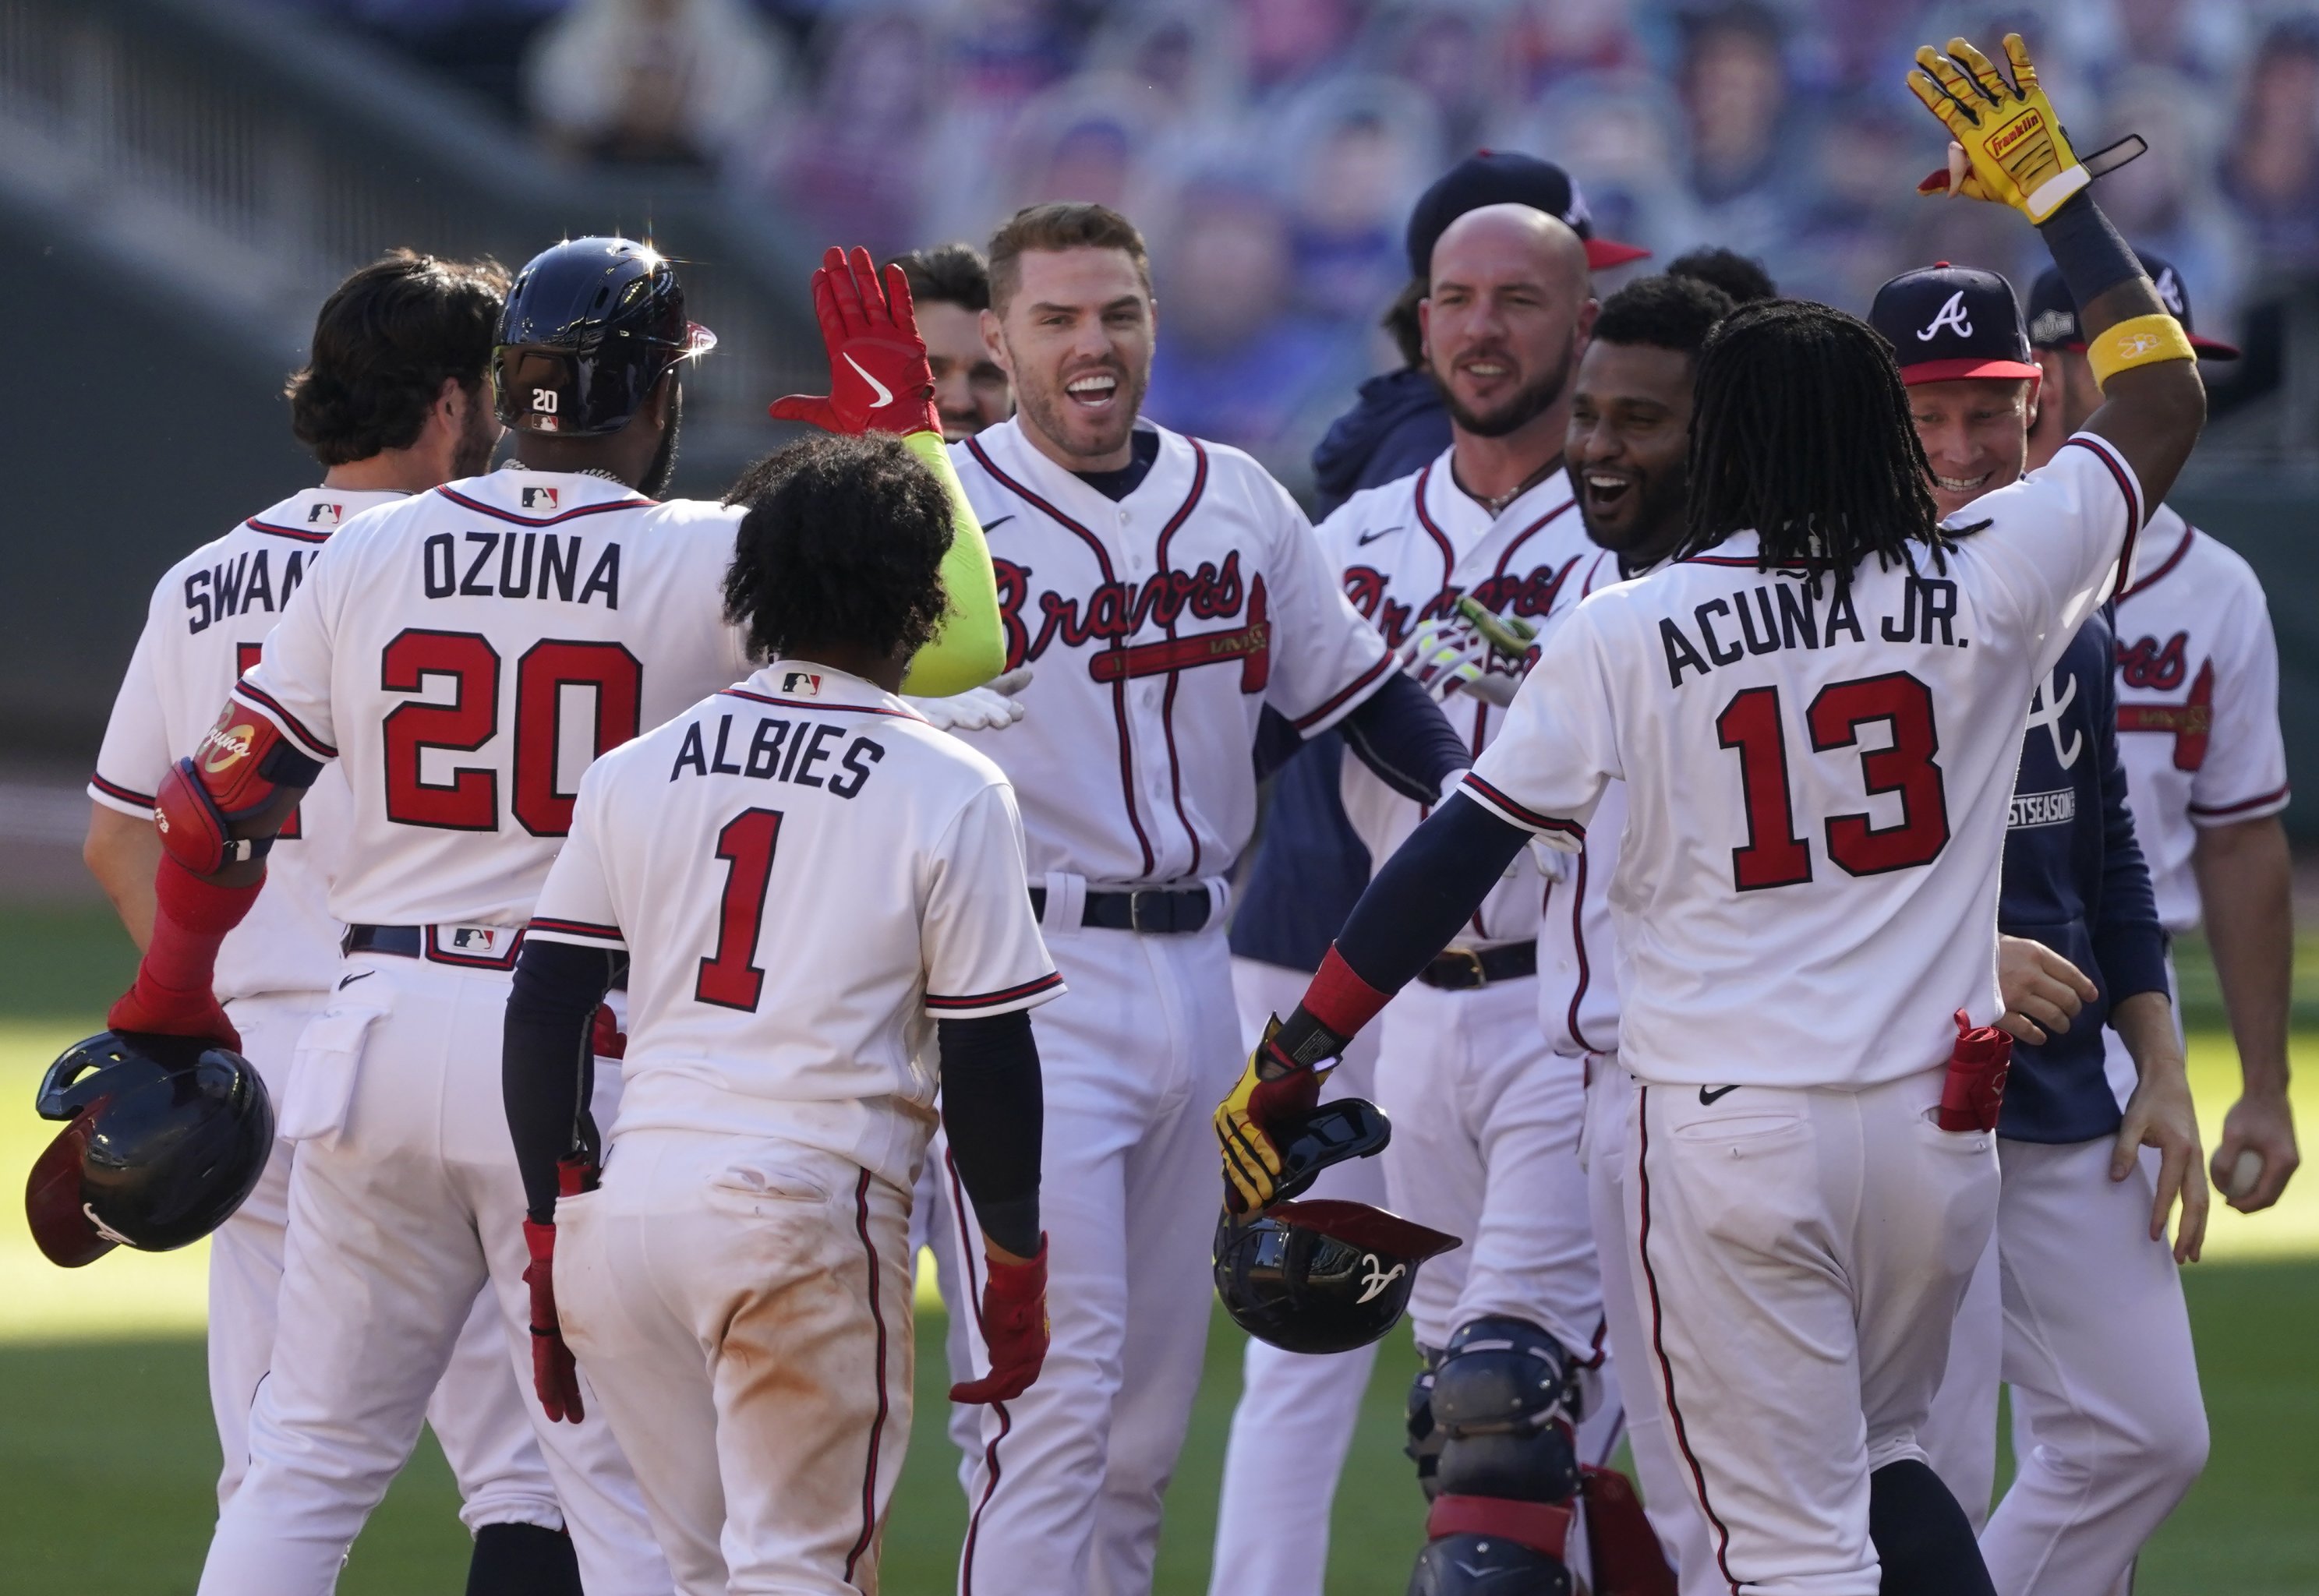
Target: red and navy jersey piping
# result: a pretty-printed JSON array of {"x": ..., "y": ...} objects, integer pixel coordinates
[
  {"x": 1016, "y": 994},
  {"x": 2219, "y": 811},
  {"x": 1522, "y": 813},
  {"x": 2166, "y": 569},
  {"x": 737, "y": 693},
  {"x": 115, "y": 789},
  {"x": 300, "y": 534},
  {"x": 480, "y": 507},
  {"x": 1373, "y": 673},
  {"x": 290, "y": 722},
  {"x": 587, "y": 928}
]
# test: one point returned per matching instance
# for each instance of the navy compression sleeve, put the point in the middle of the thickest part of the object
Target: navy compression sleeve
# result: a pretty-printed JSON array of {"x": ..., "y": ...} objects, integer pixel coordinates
[
  {"x": 548, "y": 1061},
  {"x": 994, "y": 1108},
  {"x": 2129, "y": 942},
  {"x": 1400, "y": 733}
]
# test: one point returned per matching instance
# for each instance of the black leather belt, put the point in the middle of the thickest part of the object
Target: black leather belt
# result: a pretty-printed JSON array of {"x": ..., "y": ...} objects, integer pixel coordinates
[
  {"x": 1159, "y": 910},
  {"x": 1462, "y": 970},
  {"x": 411, "y": 941}
]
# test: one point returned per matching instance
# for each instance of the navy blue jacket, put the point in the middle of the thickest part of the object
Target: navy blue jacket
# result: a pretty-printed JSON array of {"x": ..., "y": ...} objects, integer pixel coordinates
[
  {"x": 1310, "y": 867},
  {"x": 2075, "y": 880}
]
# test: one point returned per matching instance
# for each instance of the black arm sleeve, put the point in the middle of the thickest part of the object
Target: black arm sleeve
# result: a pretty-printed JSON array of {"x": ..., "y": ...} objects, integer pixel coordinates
[
  {"x": 2129, "y": 942},
  {"x": 547, "y": 1065},
  {"x": 1425, "y": 891},
  {"x": 994, "y": 1108},
  {"x": 1402, "y": 734}
]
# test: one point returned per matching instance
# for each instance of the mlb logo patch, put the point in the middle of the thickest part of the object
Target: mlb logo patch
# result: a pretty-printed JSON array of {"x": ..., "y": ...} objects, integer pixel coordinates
[
  {"x": 473, "y": 939},
  {"x": 540, "y": 498},
  {"x": 324, "y": 514},
  {"x": 802, "y": 682}
]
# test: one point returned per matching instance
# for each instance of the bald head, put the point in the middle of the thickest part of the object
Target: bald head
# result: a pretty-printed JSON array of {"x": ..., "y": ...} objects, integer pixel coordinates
[{"x": 1508, "y": 311}]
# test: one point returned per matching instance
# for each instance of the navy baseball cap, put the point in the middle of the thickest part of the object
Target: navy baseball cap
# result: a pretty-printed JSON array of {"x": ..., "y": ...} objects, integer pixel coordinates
[
  {"x": 2053, "y": 310},
  {"x": 1505, "y": 177},
  {"x": 1947, "y": 322}
]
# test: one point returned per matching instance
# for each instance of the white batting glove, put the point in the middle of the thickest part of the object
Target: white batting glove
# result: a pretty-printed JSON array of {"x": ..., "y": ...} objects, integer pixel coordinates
[
  {"x": 1445, "y": 655},
  {"x": 987, "y": 708}
]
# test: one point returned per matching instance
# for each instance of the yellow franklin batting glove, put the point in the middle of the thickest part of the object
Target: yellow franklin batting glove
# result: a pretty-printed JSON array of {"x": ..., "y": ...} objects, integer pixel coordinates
[
  {"x": 1270, "y": 1090},
  {"x": 2011, "y": 141}
]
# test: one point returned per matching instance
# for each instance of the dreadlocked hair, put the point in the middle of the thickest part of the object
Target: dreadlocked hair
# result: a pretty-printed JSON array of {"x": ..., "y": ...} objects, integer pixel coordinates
[{"x": 1800, "y": 429}]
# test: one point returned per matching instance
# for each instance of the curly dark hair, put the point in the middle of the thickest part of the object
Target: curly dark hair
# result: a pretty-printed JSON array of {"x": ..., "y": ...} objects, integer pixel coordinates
[
  {"x": 1663, "y": 312},
  {"x": 384, "y": 342},
  {"x": 844, "y": 542},
  {"x": 1800, "y": 430}
]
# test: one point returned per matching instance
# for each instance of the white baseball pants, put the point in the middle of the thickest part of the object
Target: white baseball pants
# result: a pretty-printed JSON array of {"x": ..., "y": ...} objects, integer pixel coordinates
[
  {"x": 1294, "y": 1423},
  {"x": 1668, "y": 1502},
  {"x": 2109, "y": 1425},
  {"x": 741, "y": 1310},
  {"x": 1065, "y": 1486},
  {"x": 477, "y": 1412},
  {"x": 1800, "y": 1259},
  {"x": 1486, "y": 1126},
  {"x": 404, "y": 1204}
]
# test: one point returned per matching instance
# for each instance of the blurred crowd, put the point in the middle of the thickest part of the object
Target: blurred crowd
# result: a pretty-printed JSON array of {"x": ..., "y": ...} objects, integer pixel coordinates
[{"x": 1271, "y": 148}]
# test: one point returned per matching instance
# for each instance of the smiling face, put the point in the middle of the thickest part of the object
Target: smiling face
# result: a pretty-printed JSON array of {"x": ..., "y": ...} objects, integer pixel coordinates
[
  {"x": 1976, "y": 435},
  {"x": 1075, "y": 336},
  {"x": 1508, "y": 309},
  {"x": 1629, "y": 447}
]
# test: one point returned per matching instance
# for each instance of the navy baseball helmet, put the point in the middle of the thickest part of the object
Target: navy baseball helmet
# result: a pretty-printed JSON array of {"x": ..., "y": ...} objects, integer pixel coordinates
[
  {"x": 1321, "y": 1275},
  {"x": 1507, "y": 177},
  {"x": 589, "y": 328},
  {"x": 164, "y": 1137}
]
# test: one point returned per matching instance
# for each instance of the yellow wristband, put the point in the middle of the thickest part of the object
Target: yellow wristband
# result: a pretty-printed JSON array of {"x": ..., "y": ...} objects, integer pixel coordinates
[{"x": 2140, "y": 340}]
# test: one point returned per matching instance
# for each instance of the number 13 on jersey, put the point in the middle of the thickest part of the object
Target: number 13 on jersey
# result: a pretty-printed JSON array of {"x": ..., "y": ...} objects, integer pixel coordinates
[{"x": 1751, "y": 725}]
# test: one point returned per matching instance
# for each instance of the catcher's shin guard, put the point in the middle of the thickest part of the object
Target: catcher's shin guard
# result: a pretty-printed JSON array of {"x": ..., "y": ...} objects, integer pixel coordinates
[{"x": 1501, "y": 1411}]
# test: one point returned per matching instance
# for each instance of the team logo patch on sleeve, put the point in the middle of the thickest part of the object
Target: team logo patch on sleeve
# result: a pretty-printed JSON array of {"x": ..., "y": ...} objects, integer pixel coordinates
[
  {"x": 540, "y": 498},
  {"x": 801, "y": 684}
]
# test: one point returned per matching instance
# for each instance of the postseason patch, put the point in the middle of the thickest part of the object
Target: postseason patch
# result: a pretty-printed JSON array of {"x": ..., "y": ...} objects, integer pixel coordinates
[
  {"x": 800, "y": 684},
  {"x": 2042, "y": 808}
]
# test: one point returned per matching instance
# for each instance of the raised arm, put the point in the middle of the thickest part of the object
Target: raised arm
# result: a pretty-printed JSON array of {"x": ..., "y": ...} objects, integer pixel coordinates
[
  {"x": 880, "y": 382},
  {"x": 2011, "y": 146}
]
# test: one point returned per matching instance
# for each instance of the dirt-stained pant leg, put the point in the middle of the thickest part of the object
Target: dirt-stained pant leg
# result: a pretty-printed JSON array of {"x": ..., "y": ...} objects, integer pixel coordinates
[{"x": 742, "y": 1309}]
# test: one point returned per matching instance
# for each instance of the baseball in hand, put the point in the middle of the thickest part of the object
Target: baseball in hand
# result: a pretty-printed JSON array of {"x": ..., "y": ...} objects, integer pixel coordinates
[{"x": 2246, "y": 1173}]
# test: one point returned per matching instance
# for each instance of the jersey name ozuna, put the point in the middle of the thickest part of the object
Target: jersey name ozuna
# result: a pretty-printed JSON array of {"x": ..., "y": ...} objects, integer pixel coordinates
[
  {"x": 465, "y": 653},
  {"x": 805, "y": 876},
  {"x": 1818, "y": 781}
]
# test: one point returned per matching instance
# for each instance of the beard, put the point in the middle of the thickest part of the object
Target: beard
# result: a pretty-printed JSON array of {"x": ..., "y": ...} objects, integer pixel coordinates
[
  {"x": 664, "y": 465},
  {"x": 1661, "y": 506},
  {"x": 1051, "y": 410},
  {"x": 473, "y": 456},
  {"x": 1526, "y": 406}
]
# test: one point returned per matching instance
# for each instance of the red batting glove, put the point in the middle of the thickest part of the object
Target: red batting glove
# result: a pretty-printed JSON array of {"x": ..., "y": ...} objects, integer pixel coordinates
[
  {"x": 553, "y": 1375},
  {"x": 172, "y": 995},
  {"x": 606, "y": 1038},
  {"x": 1014, "y": 1328},
  {"x": 879, "y": 378},
  {"x": 1973, "y": 1093}
]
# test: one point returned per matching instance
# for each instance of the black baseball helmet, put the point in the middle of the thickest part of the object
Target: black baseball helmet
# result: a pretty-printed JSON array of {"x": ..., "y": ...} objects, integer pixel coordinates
[
  {"x": 589, "y": 328},
  {"x": 164, "y": 1137},
  {"x": 1321, "y": 1275}
]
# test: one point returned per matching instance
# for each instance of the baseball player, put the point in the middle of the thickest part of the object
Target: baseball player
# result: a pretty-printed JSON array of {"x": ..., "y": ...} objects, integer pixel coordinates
[
  {"x": 394, "y": 401},
  {"x": 2206, "y": 766},
  {"x": 820, "y": 902},
  {"x": 1168, "y": 590},
  {"x": 2079, "y": 1305},
  {"x": 950, "y": 288},
  {"x": 1816, "y": 708},
  {"x": 465, "y": 651},
  {"x": 1485, "y": 1120}
]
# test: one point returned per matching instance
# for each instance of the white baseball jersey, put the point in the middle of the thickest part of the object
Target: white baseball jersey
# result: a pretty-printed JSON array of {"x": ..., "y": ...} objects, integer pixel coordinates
[
  {"x": 209, "y": 614},
  {"x": 1159, "y": 627},
  {"x": 1578, "y": 953},
  {"x": 466, "y": 652},
  {"x": 806, "y": 876},
  {"x": 2197, "y": 702},
  {"x": 1797, "y": 757},
  {"x": 1407, "y": 550}
]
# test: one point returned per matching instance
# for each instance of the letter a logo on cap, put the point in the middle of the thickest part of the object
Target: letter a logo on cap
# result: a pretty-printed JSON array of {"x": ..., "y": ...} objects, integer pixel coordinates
[{"x": 1952, "y": 316}]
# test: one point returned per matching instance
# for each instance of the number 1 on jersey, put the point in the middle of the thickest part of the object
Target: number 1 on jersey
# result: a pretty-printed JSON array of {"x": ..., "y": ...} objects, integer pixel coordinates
[
  {"x": 731, "y": 978},
  {"x": 1775, "y": 855}
]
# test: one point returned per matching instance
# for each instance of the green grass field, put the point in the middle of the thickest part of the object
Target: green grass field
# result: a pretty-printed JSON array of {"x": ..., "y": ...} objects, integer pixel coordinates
[{"x": 107, "y": 1459}]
